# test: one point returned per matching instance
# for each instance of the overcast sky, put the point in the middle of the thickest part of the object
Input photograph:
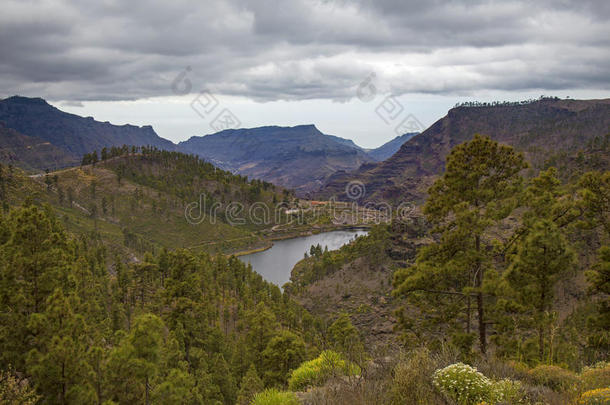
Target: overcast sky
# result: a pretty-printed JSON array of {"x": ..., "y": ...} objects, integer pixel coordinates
[{"x": 269, "y": 62}]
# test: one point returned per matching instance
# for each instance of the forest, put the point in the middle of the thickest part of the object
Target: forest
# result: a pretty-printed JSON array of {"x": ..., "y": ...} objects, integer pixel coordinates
[{"x": 507, "y": 302}]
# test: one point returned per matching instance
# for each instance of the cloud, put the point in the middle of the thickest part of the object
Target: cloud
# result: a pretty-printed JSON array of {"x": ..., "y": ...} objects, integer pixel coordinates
[{"x": 270, "y": 50}]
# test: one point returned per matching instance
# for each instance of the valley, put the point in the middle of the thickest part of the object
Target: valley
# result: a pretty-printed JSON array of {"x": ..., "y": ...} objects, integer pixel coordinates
[{"x": 242, "y": 259}]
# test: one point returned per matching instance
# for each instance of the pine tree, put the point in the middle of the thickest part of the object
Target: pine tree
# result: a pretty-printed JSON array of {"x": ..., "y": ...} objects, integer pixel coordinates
[
  {"x": 250, "y": 385},
  {"x": 542, "y": 257},
  {"x": 345, "y": 337},
  {"x": 284, "y": 353},
  {"x": 478, "y": 189},
  {"x": 58, "y": 360}
]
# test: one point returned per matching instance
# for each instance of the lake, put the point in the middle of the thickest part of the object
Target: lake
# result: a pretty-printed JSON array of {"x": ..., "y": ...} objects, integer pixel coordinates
[{"x": 275, "y": 264}]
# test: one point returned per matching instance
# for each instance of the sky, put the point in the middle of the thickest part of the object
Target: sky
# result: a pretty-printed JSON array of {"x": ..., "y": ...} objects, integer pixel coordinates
[{"x": 363, "y": 69}]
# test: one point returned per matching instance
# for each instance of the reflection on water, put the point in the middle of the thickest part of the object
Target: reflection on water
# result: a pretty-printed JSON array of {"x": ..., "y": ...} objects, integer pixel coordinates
[{"x": 275, "y": 264}]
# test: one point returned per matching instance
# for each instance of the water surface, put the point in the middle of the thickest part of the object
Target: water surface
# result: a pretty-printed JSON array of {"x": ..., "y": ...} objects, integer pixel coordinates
[{"x": 275, "y": 264}]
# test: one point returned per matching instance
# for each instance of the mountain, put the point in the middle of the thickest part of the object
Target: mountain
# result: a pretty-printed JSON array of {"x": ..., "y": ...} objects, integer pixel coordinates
[
  {"x": 389, "y": 148},
  {"x": 572, "y": 135},
  {"x": 299, "y": 157},
  {"x": 71, "y": 133},
  {"x": 31, "y": 152}
]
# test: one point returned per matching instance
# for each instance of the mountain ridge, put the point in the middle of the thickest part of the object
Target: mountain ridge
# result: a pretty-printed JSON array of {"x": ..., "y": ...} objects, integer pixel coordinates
[
  {"x": 72, "y": 133},
  {"x": 545, "y": 130},
  {"x": 299, "y": 157}
]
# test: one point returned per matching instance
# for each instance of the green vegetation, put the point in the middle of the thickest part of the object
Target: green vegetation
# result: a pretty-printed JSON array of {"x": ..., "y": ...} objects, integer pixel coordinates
[
  {"x": 320, "y": 264},
  {"x": 514, "y": 260},
  {"x": 174, "y": 325},
  {"x": 465, "y": 385},
  {"x": 502, "y": 291},
  {"x": 275, "y": 397},
  {"x": 319, "y": 370}
]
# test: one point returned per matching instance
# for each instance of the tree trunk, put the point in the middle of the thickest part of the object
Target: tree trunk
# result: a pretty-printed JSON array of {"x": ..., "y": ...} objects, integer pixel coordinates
[
  {"x": 468, "y": 314},
  {"x": 479, "y": 286},
  {"x": 147, "y": 387},
  {"x": 541, "y": 326}
]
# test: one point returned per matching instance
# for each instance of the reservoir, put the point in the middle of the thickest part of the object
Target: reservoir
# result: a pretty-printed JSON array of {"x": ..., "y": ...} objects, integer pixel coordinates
[{"x": 276, "y": 263}]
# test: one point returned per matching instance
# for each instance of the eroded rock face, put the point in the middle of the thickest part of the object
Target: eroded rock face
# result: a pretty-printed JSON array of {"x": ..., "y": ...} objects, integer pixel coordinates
[
  {"x": 545, "y": 131},
  {"x": 71, "y": 133},
  {"x": 299, "y": 157}
]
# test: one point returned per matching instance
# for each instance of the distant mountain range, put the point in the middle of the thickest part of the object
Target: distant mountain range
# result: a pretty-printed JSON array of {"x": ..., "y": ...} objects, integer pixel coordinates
[
  {"x": 299, "y": 157},
  {"x": 573, "y": 135},
  {"x": 36, "y": 135},
  {"x": 563, "y": 133},
  {"x": 388, "y": 149},
  {"x": 71, "y": 133}
]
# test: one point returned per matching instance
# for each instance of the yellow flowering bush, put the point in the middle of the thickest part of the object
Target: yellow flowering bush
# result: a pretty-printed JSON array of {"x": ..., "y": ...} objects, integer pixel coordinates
[
  {"x": 600, "y": 396},
  {"x": 596, "y": 376}
]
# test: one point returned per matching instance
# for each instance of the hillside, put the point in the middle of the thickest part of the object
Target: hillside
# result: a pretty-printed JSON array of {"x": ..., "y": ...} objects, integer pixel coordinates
[
  {"x": 389, "y": 148},
  {"x": 176, "y": 327},
  {"x": 299, "y": 157},
  {"x": 569, "y": 134},
  {"x": 30, "y": 152},
  {"x": 71, "y": 133},
  {"x": 137, "y": 203}
]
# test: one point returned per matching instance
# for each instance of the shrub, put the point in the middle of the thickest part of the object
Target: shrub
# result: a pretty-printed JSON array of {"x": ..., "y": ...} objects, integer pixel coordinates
[
  {"x": 506, "y": 391},
  {"x": 599, "y": 396},
  {"x": 319, "y": 370},
  {"x": 556, "y": 378},
  {"x": 274, "y": 397},
  {"x": 597, "y": 376},
  {"x": 464, "y": 384},
  {"x": 411, "y": 383}
]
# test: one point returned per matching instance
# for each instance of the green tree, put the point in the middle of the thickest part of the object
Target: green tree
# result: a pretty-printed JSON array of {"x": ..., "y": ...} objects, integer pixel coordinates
[
  {"x": 35, "y": 259},
  {"x": 135, "y": 362},
  {"x": 250, "y": 385},
  {"x": 595, "y": 193},
  {"x": 599, "y": 279},
  {"x": 478, "y": 189},
  {"x": 542, "y": 257},
  {"x": 345, "y": 337},
  {"x": 58, "y": 360},
  {"x": 179, "y": 387},
  {"x": 284, "y": 353}
]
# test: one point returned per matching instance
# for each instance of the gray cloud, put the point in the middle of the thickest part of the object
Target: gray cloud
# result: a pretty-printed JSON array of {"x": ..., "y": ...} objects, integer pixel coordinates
[{"x": 300, "y": 49}]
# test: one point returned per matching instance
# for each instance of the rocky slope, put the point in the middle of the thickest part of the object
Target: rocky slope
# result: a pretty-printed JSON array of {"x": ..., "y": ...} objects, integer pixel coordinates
[
  {"x": 299, "y": 157},
  {"x": 71, "y": 133},
  {"x": 30, "y": 152},
  {"x": 569, "y": 134},
  {"x": 389, "y": 148}
]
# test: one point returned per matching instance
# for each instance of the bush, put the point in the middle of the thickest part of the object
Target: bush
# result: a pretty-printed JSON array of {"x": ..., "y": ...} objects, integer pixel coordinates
[
  {"x": 506, "y": 391},
  {"x": 464, "y": 384},
  {"x": 556, "y": 378},
  {"x": 319, "y": 370},
  {"x": 597, "y": 376},
  {"x": 411, "y": 383},
  {"x": 599, "y": 396},
  {"x": 275, "y": 397}
]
